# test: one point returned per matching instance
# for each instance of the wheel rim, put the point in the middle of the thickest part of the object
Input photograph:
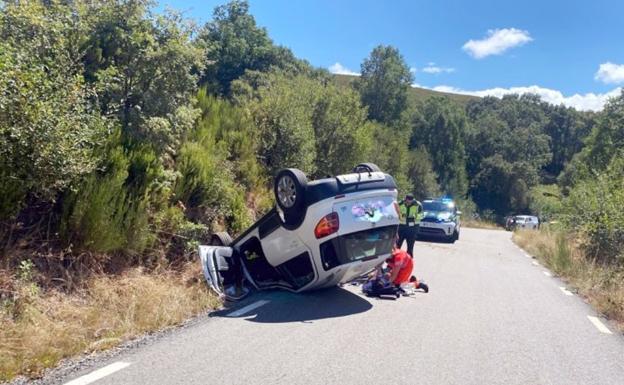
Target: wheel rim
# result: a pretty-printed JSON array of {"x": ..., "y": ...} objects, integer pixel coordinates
[{"x": 286, "y": 191}]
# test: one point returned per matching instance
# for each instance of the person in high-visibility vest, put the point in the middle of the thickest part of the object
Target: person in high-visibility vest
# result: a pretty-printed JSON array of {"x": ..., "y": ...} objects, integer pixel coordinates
[{"x": 410, "y": 212}]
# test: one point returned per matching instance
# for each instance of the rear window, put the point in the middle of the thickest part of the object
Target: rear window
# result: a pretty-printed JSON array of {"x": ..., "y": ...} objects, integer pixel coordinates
[{"x": 363, "y": 245}]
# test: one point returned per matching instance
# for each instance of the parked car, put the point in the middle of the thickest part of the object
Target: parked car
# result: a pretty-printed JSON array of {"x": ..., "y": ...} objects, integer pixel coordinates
[
  {"x": 524, "y": 222},
  {"x": 441, "y": 219},
  {"x": 320, "y": 234}
]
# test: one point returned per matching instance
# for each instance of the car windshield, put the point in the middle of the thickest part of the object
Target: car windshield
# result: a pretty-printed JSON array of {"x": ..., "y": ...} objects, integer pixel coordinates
[{"x": 438, "y": 206}]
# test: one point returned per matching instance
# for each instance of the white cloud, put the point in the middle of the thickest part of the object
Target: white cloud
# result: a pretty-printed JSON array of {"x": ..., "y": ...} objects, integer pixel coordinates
[
  {"x": 497, "y": 42},
  {"x": 413, "y": 70},
  {"x": 585, "y": 102},
  {"x": 610, "y": 73},
  {"x": 434, "y": 69},
  {"x": 339, "y": 69}
]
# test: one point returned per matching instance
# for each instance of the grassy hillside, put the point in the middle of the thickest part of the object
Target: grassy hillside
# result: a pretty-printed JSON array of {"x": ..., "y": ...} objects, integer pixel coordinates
[{"x": 416, "y": 93}]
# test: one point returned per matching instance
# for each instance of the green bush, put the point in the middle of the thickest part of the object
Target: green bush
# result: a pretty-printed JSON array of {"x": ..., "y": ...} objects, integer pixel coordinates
[
  {"x": 206, "y": 187},
  {"x": 546, "y": 201},
  {"x": 594, "y": 207},
  {"x": 48, "y": 127},
  {"x": 104, "y": 214},
  {"x": 228, "y": 129}
]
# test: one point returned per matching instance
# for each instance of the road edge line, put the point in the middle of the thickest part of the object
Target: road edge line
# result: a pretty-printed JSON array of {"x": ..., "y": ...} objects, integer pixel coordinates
[
  {"x": 248, "y": 308},
  {"x": 599, "y": 325},
  {"x": 99, "y": 373}
]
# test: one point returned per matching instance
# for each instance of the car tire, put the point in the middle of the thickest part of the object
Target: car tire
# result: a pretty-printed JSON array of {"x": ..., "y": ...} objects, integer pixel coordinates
[
  {"x": 221, "y": 239},
  {"x": 366, "y": 167},
  {"x": 289, "y": 188}
]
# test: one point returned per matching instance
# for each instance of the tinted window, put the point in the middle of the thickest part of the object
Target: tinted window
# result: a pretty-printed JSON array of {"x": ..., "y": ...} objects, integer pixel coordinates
[
  {"x": 297, "y": 271},
  {"x": 358, "y": 246}
]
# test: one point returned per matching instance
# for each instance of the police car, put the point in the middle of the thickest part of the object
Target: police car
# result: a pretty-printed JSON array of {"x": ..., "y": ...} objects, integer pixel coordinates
[
  {"x": 440, "y": 219},
  {"x": 321, "y": 233}
]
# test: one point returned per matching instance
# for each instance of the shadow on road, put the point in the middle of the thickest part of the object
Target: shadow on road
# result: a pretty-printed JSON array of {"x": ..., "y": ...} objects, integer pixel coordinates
[{"x": 290, "y": 307}]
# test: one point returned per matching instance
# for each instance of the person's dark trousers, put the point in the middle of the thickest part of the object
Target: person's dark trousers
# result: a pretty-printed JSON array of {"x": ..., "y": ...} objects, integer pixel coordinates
[{"x": 407, "y": 233}]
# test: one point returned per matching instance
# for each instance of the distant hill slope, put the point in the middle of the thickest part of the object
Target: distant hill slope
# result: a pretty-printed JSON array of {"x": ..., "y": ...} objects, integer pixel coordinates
[{"x": 416, "y": 93}]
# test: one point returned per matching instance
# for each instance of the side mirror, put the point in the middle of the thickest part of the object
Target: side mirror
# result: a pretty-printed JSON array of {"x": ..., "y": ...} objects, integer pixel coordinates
[{"x": 458, "y": 212}]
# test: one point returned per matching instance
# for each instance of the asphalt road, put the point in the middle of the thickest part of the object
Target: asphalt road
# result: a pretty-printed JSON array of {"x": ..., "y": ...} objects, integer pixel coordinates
[{"x": 492, "y": 317}]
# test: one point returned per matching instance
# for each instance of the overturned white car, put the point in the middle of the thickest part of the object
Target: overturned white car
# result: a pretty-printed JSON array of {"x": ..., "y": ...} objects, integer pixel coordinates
[{"x": 321, "y": 233}]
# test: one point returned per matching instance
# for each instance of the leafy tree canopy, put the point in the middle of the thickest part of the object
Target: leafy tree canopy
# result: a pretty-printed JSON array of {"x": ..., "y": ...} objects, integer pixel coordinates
[
  {"x": 234, "y": 44},
  {"x": 384, "y": 84}
]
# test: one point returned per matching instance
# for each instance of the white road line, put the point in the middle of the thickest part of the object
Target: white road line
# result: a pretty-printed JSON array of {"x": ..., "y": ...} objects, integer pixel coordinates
[
  {"x": 247, "y": 308},
  {"x": 527, "y": 255},
  {"x": 599, "y": 325},
  {"x": 99, "y": 374},
  {"x": 565, "y": 291},
  {"x": 548, "y": 274},
  {"x": 535, "y": 263}
]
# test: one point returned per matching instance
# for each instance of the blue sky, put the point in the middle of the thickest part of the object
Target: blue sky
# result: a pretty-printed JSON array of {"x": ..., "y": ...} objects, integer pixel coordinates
[{"x": 569, "y": 52}]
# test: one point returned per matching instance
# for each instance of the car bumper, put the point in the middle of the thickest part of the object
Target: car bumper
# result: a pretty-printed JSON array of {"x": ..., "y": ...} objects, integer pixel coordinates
[{"x": 441, "y": 230}]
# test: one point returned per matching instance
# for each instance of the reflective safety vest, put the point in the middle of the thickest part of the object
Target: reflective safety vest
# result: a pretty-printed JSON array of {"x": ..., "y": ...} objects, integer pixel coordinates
[{"x": 409, "y": 214}]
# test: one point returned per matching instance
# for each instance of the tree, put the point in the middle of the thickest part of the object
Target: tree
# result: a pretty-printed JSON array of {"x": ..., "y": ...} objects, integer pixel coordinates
[
  {"x": 421, "y": 175},
  {"x": 602, "y": 146},
  {"x": 507, "y": 150},
  {"x": 282, "y": 108},
  {"x": 607, "y": 138},
  {"x": 141, "y": 65},
  {"x": 567, "y": 128},
  {"x": 343, "y": 136},
  {"x": 234, "y": 44},
  {"x": 440, "y": 126},
  {"x": 384, "y": 84},
  {"x": 48, "y": 126},
  {"x": 390, "y": 153}
]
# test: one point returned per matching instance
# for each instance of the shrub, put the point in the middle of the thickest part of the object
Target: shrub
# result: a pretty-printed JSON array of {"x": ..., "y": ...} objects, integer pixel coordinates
[
  {"x": 48, "y": 127},
  {"x": 206, "y": 187},
  {"x": 110, "y": 211},
  {"x": 594, "y": 207},
  {"x": 545, "y": 201}
]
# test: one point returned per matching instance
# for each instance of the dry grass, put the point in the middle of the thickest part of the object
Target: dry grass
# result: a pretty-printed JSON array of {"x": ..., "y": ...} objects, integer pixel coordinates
[
  {"x": 480, "y": 224},
  {"x": 601, "y": 285},
  {"x": 40, "y": 329}
]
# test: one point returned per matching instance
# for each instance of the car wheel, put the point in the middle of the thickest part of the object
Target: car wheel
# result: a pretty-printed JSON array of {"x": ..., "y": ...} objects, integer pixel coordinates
[
  {"x": 456, "y": 236},
  {"x": 366, "y": 167},
  {"x": 289, "y": 188},
  {"x": 221, "y": 239}
]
